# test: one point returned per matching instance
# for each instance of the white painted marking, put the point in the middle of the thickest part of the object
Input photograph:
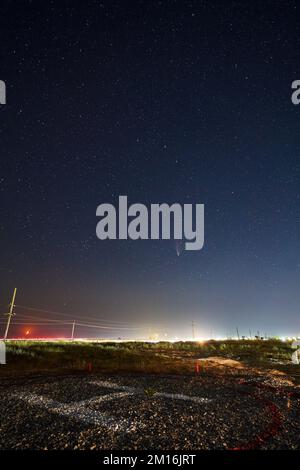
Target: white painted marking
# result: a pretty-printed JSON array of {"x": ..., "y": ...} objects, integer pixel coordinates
[
  {"x": 179, "y": 396},
  {"x": 113, "y": 386},
  {"x": 79, "y": 411},
  {"x": 83, "y": 411}
]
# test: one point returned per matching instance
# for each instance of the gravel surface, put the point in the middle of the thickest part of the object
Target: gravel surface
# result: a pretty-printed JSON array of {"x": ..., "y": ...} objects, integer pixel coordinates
[{"x": 158, "y": 413}]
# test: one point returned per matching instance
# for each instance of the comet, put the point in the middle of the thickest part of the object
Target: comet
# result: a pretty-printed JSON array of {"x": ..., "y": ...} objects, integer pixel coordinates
[{"x": 178, "y": 246}]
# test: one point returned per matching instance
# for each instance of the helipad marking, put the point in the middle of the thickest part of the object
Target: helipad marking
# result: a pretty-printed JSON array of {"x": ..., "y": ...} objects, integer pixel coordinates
[
  {"x": 174, "y": 396},
  {"x": 180, "y": 396},
  {"x": 112, "y": 385},
  {"x": 80, "y": 410}
]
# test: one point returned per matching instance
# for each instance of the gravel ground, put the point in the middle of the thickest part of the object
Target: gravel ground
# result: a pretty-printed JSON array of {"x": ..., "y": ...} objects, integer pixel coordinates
[{"x": 158, "y": 413}]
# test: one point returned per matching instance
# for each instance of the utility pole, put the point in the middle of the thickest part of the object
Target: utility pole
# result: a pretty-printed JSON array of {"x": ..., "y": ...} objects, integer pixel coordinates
[
  {"x": 73, "y": 330},
  {"x": 238, "y": 334},
  {"x": 250, "y": 334},
  {"x": 193, "y": 330},
  {"x": 10, "y": 313}
]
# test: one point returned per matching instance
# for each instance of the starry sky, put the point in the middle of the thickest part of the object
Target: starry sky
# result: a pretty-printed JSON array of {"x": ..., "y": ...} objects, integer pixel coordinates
[{"x": 162, "y": 101}]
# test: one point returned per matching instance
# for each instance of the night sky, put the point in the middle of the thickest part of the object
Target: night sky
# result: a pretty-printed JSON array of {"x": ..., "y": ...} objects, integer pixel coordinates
[{"x": 162, "y": 101}]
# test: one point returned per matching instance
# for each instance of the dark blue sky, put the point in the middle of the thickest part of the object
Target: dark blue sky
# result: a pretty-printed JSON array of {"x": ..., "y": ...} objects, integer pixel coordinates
[{"x": 163, "y": 101}]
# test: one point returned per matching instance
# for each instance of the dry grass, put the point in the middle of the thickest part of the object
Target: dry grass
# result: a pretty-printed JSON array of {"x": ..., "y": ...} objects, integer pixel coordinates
[{"x": 32, "y": 357}]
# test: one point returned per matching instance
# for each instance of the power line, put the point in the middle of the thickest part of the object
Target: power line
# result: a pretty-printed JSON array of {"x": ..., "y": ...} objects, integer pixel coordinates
[
  {"x": 30, "y": 319},
  {"x": 70, "y": 315},
  {"x": 39, "y": 323},
  {"x": 37, "y": 320},
  {"x": 109, "y": 327},
  {"x": 34, "y": 319},
  {"x": 65, "y": 314},
  {"x": 87, "y": 325}
]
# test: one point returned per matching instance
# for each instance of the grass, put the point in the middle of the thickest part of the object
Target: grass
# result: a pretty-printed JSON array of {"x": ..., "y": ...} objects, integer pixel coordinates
[
  {"x": 62, "y": 356},
  {"x": 163, "y": 357}
]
